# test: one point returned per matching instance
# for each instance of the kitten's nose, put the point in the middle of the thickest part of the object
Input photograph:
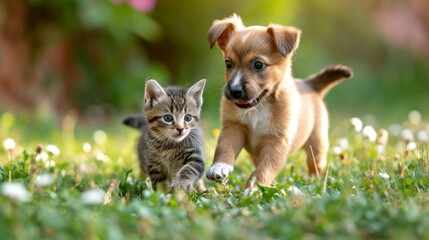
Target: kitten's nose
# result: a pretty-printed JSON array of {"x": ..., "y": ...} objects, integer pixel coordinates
[{"x": 180, "y": 130}]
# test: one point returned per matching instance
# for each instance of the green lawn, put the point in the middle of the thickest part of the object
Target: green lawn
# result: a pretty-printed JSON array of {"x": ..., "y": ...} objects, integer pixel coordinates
[{"x": 69, "y": 180}]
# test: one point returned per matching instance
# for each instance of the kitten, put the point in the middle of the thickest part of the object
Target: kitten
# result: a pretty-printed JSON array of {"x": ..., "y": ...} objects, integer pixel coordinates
[{"x": 170, "y": 148}]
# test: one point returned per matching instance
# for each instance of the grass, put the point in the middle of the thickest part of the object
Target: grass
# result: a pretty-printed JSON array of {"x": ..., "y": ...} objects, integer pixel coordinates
[{"x": 91, "y": 189}]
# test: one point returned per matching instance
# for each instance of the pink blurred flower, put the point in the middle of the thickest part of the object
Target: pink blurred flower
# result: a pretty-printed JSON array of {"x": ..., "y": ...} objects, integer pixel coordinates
[{"x": 142, "y": 5}]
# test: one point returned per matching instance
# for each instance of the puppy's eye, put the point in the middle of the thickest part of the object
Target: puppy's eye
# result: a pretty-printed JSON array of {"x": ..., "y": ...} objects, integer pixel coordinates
[
  {"x": 168, "y": 118},
  {"x": 228, "y": 64},
  {"x": 259, "y": 66},
  {"x": 188, "y": 118}
]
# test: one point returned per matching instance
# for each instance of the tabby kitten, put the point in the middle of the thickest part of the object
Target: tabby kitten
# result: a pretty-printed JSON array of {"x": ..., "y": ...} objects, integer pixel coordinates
[{"x": 170, "y": 148}]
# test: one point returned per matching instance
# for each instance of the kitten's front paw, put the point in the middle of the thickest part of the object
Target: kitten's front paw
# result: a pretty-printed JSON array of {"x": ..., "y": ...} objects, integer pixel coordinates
[
  {"x": 185, "y": 185},
  {"x": 249, "y": 191},
  {"x": 219, "y": 171}
]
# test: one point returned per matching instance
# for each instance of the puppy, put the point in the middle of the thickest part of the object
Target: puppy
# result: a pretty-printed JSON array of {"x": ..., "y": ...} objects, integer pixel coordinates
[{"x": 265, "y": 110}]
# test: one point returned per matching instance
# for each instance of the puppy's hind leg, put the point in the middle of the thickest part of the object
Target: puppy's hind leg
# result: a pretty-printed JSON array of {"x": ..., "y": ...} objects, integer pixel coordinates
[{"x": 317, "y": 149}]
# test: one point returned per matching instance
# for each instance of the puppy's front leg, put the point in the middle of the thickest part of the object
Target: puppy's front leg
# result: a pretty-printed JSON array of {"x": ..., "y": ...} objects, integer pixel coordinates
[
  {"x": 229, "y": 145},
  {"x": 270, "y": 161}
]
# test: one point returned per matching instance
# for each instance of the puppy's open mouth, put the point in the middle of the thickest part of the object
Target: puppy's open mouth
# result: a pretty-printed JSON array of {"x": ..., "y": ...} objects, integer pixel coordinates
[{"x": 250, "y": 103}]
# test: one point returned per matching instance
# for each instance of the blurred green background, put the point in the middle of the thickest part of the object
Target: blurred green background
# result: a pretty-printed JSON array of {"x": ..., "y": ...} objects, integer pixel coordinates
[{"x": 92, "y": 57}]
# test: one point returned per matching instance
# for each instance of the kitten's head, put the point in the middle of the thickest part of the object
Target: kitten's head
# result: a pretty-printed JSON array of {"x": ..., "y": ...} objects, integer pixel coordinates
[{"x": 172, "y": 112}]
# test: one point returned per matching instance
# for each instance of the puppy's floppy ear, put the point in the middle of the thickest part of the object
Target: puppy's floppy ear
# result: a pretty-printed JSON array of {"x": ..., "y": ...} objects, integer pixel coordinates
[
  {"x": 153, "y": 93},
  {"x": 221, "y": 30},
  {"x": 285, "y": 39},
  {"x": 196, "y": 91}
]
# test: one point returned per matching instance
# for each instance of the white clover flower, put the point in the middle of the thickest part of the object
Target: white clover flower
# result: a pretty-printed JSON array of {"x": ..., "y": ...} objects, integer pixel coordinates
[
  {"x": 383, "y": 175},
  {"x": 383, "y": 136},
  {"x": 369, "y": 133},
  {"x": 337, "y": 150},
  {"x": 380, "y": 150},
  {"x": 93, "y": 197},
  {"x": 83, "y": 168},
  {"x": 414, "y": 117},
  {"x": 395, "y": 129},
  {"x": 411, "y": 146},
  {"x": 422, "y": 136},
  {"x": 43, "y": 156},
  {"x": 100, "y": 137},
  {"x": 102, "y": 157},
  {"x": 344, "y": 143},
  {"x": 86, "y": 146},
  {"x": 357, "y": 124},
  {"x": 15, "y": 191},
  {"x": 407, "y": 135},
  {"x": 295, "y": 191},
  {"x": 50, "y": 164},
  {"x": 44, "y": 179},
  {"x": 9, "y": 144},
  {"x": 54, "y": 150},
  {"x": 129, "y": 179}
]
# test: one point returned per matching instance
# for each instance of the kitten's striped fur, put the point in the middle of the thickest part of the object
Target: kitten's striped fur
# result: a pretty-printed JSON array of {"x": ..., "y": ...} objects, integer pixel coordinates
[{"x": 170, "y": 148}]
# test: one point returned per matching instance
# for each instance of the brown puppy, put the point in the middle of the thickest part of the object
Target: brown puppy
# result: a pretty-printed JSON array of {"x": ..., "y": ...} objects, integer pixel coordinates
[{"x": 263, "y": 108}]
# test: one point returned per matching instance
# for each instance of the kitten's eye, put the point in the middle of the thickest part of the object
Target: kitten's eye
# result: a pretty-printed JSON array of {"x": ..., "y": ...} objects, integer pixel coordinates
[
  {"x": 168, "y": 118},
  {"x": 228, "y": 64},
  {"x": 188, "y": 118},
  {"x": 259, "y": 66}
]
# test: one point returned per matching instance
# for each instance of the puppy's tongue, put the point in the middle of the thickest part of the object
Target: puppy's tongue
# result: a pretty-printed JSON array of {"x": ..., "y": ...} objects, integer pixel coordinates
[{"x": 242, "y": 102}]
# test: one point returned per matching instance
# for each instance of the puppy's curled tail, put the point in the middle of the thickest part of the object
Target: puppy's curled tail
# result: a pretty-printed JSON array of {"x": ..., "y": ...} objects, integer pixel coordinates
[
  {"x": 324, "y": 80},
  {"x": 135, "y": 121}
]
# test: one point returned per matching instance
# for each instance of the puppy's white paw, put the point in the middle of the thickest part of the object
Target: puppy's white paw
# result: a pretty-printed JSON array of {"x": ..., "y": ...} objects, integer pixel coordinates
[{"x": 219, "y": 171}]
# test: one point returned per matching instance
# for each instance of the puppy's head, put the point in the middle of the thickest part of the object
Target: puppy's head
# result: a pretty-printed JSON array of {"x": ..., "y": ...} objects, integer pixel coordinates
[{"x": 256, "y": 58}]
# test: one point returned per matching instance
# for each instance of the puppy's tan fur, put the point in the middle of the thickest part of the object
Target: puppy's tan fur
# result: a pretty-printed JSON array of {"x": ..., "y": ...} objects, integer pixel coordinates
[{"x": 278, "y": 115}]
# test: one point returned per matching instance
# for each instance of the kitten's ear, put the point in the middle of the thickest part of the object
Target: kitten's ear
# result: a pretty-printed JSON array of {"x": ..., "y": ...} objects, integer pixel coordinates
[
  {"x": 196, "y": 91},
  {"x": 153, "y": 93}
]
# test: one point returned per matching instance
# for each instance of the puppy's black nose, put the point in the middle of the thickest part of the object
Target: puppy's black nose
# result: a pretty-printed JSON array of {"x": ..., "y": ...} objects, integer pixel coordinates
[{"x": 236, "y": 91}]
